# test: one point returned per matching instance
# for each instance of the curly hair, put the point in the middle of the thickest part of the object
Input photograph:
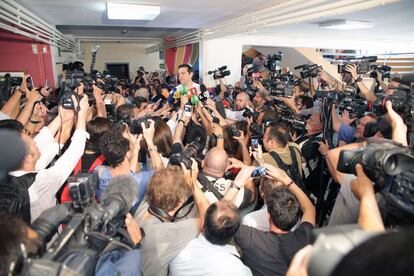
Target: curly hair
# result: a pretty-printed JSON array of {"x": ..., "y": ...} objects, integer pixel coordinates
[
  {"x": 114, "y": 147},
  {"x": 168, "y": 187}
]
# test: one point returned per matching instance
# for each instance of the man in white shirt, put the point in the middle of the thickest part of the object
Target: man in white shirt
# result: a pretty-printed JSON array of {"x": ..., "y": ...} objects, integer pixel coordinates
[
  {"x": 213, "y": 168},
  {"x": 210, "y": 253},
  {"x": 242, "y": 101},
  {"x": 185, "y": 75},
  {"x": 48, "y": 181}
]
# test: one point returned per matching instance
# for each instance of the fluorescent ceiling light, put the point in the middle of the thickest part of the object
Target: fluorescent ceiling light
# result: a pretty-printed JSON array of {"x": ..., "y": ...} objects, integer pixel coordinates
[
  {"x": 131, "y": 11},
  {"x": 346, "y": 25}
]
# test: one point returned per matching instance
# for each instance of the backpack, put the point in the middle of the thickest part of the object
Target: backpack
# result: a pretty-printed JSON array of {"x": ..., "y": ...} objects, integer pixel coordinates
[
  {"x": 293, "y": 169},
  {"x": 14, "y": 196}
]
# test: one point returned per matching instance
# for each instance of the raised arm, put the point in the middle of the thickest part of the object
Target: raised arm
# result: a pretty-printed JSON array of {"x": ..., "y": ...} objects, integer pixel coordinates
[
  {"x": 369, "y": 217},
  {"x": 308, "y": 210}
]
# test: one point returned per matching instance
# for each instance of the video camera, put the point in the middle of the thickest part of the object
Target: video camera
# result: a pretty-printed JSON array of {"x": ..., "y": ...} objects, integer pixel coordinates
[
  {"x": 391, "y": 167},
  {"x": 104, "y": 81},
  {"x": 220, "y": 72},
  {"x": 91, "y": 229},
  {"x": 384, "y": 70},
  {"x": 280, "y": 85},
  {"x": 309, "y": 70},
  {"x": 363, "y": 64},
  {"x": 274, "y": 62}
]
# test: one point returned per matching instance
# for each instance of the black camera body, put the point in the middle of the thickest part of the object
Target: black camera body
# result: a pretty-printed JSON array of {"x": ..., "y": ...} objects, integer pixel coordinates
[
  {"x": 188, "y": 152},
  {"x": 274, "y": 62},
  {"x": 220, "y": 72},
  {"x": 384, "y": 70},
  {"x": 282, "y": 85},
  {"x": 363, "y": 65},
  {"x": 310, "y": 71},
  {"x": 391, "y": 167}
]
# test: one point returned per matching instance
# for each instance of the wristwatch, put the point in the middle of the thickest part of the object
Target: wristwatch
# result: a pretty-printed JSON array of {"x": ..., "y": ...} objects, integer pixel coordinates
[
  {"x": 220, "y": 136},
  {"x": 233, "y": 185}
]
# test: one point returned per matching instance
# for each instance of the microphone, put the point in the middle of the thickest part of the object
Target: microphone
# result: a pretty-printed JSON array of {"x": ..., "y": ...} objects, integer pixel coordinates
[
  {"x": 119, "y": 197},
  {"x": 203, "y": 88}
]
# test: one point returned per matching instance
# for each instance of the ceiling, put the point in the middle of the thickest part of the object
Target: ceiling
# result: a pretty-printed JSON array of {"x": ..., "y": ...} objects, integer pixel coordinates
[
  {"x": 88, "y": 19},
  {"x": 392, "y": 22}
]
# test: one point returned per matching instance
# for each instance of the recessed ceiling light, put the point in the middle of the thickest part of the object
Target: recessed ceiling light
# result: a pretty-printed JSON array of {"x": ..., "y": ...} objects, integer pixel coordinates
[
  {"x": 131, "y": 11},
  {"x": 346, "y": 25}
]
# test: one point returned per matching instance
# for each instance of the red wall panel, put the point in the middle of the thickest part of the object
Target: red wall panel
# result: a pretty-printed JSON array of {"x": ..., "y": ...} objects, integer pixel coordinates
[{"x": 16, "y": 54}]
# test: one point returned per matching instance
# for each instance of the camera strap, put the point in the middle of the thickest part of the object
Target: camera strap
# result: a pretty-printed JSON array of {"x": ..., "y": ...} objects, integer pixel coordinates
[{"x": 209, "y": 186}]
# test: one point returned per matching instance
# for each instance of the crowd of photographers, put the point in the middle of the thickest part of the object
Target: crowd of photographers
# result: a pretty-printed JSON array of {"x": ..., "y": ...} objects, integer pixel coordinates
[{"x": 161, "y": 176}]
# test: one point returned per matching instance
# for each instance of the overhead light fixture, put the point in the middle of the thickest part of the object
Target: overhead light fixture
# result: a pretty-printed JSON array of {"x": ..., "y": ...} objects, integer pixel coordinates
[
  {"x": 131, "y": 11},
  {"x": 346, "y": 24}
]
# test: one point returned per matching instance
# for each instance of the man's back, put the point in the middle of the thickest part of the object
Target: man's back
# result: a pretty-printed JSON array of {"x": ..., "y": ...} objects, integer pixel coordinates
[
  {"x": 200, "y": 257},
  {"x": 163, "y": 241},
  {"x": 268, "y": 253}
]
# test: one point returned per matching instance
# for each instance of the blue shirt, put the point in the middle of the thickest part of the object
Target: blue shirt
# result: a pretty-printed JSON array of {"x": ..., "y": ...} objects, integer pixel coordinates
[
  {"x": 142, "y": 179},
  {"x": 346, "y": 133}
]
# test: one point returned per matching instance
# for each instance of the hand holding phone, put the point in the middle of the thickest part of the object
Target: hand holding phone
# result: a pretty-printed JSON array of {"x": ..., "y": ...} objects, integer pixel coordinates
[
  {"x": 254, "y": 142},
  {"x": 187, "y": 110}
]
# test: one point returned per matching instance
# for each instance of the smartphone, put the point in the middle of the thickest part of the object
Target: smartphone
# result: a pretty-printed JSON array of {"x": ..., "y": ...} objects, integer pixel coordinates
[
  {"x": 157, "y": 103},
  {"x": 47, "y": 85},
  {"x": 259, "y": 171},
  {"x": 30, "y": 83},
  {"x": 254, "y": 142},
  {"x": 187, "y": 110}
]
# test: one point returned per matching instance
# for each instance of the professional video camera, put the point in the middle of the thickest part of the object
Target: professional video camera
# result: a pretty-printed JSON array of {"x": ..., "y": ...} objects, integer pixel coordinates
[
  {"x": 274, "y": 62},
  {"x": 391, "y": 167},
  {"x": 6, "y": 84},
  {"x": 188, "y": 152},
  {"x": 384, "y": 70},
  {"x": 91, "y": 229},
  {"x": 280, "y": 85},
  {"x": 104, "y": 81},
  {"x": 220, "y": 72},
  {"x": 309, "y": 70},
  {"x": 363, "y": 64}
]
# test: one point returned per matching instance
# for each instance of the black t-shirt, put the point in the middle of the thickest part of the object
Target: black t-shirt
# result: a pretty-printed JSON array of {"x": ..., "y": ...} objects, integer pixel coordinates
[
  {"x": 268, "y": 253},
  {"x": 88, "y": 159}
]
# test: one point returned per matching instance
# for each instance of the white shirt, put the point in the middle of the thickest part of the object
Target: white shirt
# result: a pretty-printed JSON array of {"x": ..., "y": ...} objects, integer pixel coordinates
[
  {"x": 200, "y": 257},
  {"x": 258, "y": 219},
  {"x": 234, "y": 115},
  {"x": 222, "y": 186},
  {"x": 48, "y": 181}
]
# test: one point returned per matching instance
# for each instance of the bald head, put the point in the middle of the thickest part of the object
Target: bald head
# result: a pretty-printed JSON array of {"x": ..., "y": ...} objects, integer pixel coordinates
[
  {"x": 242, "y": 99},
  {"x": 215, "y": 162}
]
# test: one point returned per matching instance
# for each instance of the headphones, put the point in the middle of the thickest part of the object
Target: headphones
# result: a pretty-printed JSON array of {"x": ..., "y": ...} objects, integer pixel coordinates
[{"x": 164, "y": 216}]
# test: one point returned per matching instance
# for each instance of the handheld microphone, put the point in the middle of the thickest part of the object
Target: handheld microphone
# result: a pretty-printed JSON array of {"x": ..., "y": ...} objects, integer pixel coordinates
[
  {"x": 203, "y": 88},
  {"x": 119, "y": 197}
]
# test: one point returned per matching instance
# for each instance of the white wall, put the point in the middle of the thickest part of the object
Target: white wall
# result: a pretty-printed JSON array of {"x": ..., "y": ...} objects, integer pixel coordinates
[
  {"x": 216, "y": 53},
  {"x": 134, "y": 54}
]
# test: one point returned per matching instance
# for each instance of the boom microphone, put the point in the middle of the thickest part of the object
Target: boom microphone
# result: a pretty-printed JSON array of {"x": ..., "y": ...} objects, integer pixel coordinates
[{"x": 119, "y": 196}]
